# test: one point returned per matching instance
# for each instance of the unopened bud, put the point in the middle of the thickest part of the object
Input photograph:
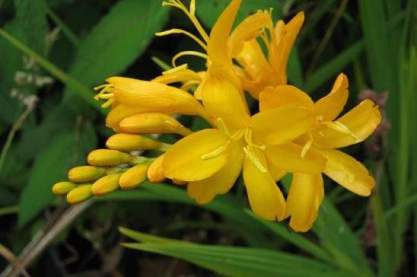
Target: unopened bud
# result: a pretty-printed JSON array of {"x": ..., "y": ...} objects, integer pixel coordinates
[
  {"x": 86, "y": 173},
  {"x": 152, "y": 123},
  {"x": 106, "y": 184},
  {"x": 107, "y": 157},
  {"x": 62, "y": 187},
  {"x": 155, "y": 172},
  {"x": 129, "y": 142},
  {"x": 79, "y": 194},
  {"x": 133, "y": 177}
]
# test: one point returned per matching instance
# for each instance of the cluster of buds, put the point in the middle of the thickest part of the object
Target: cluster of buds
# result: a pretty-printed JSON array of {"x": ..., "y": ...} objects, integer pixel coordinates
[
  {"x": 120, "y": 165},
  {"x": 291, "y": 133}
]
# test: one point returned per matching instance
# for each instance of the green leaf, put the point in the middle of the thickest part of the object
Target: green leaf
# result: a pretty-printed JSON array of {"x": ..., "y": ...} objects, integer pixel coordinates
[
  {"x": 116, "y": 41},
  {"x": 337, "y": 237},
  {"x": 209, "y": 10},
  {"x": 332, "y": 68},
  {"x": 49, "y": 167},
  {"x": 31, "y": 17},
  {"x": 231, "y": 261}
]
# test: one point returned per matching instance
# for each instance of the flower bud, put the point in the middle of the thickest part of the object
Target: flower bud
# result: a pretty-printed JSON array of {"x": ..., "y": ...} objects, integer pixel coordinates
[
  {"x": 86, "y": 173},
  {"x": 129, "y": 142},
  {"x": 62, "y": 187},
  {"x": 155, "y": 171},
  {"x": 107, "y": 157},
  {"x": 133, "y": 177},
  {"x": 179, "y": 182},
  {"x": 153, "y": 96},
  {"x": 79, "y": 194},
  {"x": 106, "y": 184},
  {"x": 152, "y": 123}
]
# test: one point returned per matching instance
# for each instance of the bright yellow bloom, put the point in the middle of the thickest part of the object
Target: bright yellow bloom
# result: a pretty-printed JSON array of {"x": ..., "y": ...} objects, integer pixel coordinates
[
  {"x": 211, "y": 160},
  {"x": 306, "y": 191}
]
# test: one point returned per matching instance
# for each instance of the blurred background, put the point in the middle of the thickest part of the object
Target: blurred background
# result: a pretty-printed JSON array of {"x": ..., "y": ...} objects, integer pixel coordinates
[{"x": 52, "y": 54}]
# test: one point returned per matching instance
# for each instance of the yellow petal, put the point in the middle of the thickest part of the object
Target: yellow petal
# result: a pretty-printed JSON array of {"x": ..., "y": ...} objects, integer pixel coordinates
[
  {"x": 221, "y": 182},
  {"x": 152, "y": 123},
  {"x": 304, "y": 199},
  {"x": 223, "y": 100},
  {"x": 197, "y": 156},
  {"x": 250, "y": 28},
  {"x": 288, "y": 157},
  {"x": 219, "y": 35},
  {"x": 284, "y": 36},
  {"x": 153, "y": 96},
  {"x": 361, "y": 122},
  {"x": 155, "y": 172},
  {"x": 86, "y": 173},
  {"x": 107, "y": 157},
  {"x": 330, "y": 106},
  {"x": 348, "y": 172},
  {"x": 258, "y": 73},
  {"x": 130, "y": 142},
  {"x": 272, "y": 98},
  {"x": 62, "y": 187},
  {"x": 281, "y": 125},
  {"x": 133, "y": 177},
  {"x": 265, "y": 198},
  {"x": 79, "y": 194},
  {"x": 106, "y": 184}
]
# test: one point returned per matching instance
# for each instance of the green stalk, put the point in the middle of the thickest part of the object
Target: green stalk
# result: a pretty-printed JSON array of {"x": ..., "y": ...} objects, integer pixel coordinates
[{"x": 68, "y": 80}]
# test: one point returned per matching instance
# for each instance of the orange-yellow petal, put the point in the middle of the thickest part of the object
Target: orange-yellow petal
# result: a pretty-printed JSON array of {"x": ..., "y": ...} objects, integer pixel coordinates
[
  {"x": 304, "y": 199},
  {"x": 281, "y": 125},
  {"x": 265, "y": 198},
  {"x": 288, "y": 157},
  {"x": 331, "y": 105},
  {"x": 219, "y": 35},
  {"x": 257, "y": 72},
  {"x": 221, "y": 182},
  {"x": 197, "y": 156},
  {"x": 153, "y": 96},
  {"x": 284, "y": 36},
  {"x": 360, "y": 122},
  {"x": 152, "y": 123},
  {"x": 222, "y": 99},
  {"x": 250, "y": 28},
  {"x": 348, "y": 172},
  {"x": 274, "y": 97}
]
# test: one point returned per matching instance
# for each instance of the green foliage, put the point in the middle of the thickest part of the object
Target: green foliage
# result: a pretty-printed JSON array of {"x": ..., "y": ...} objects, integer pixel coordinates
[{"x": 76, "y": 45}]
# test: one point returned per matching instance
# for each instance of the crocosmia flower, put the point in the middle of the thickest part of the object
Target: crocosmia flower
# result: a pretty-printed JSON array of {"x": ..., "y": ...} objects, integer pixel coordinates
[{"x": 288, "y": 134}]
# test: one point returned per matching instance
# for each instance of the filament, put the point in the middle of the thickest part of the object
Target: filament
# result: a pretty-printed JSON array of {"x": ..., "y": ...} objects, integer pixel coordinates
[{"x": 175, "y": 31}]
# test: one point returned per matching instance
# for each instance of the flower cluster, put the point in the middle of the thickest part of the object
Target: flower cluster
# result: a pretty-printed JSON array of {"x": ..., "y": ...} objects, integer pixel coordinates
[{"x": 290, "y": 134}]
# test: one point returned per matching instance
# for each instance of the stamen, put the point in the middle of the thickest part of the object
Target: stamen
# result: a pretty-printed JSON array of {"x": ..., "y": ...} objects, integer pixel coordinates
[
  {"x": 108, "y": 103},
  {"x": 307, "y": 146},
  {"x": 222, "y": 126},
  {"x": 190, "y": 13},
  {"x": 340, "y": 127},
  {"x": 216, "y": 152},
  {"x": 188, "y": 85},
  {"x": 175, "y": 69},
  {"x": 175, "y": 31},
  {"x": 255, "y": 160},
  {"x": 187, "y": 53}
]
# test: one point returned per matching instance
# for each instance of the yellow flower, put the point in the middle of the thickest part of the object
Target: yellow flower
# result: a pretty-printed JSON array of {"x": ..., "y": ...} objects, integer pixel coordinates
[
  {"x": 253, "y": 69},
  {"x": 211, "y": 160},
  {"x": 330, "y": 132}
]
